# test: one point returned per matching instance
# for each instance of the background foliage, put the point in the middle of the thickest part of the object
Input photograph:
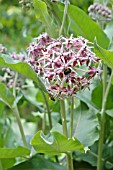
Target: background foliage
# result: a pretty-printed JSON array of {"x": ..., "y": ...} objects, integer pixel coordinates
[{"x": 17, "y": 29}]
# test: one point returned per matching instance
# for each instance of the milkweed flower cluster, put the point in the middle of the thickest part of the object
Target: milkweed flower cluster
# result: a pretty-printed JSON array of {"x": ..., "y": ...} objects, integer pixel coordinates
[
  {"x": 8, "y": 78},
  {"x": 26, "y": 4},
  {"x": 3, "y": 49},
  {"x": 20, "y": 57},
  {"x": 66, "y": 65},
  {"x": 100, "y": 12},
  {"x": 9, "y": 75}
]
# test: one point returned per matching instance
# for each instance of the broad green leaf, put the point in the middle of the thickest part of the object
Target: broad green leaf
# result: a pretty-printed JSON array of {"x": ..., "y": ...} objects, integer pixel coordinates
[
  {"x": 22, "y": 68},
  {"x": 5, "y": 95},
  {"x": 2, "y": 105},
  {"x": 43, "y": 16},
  {"x": 105, "y": 55},
  {"x": 92, "y": 155},
  {"x": 97, "y": 94},
  {"x": 111, "y": 1},
  {"x": 111, "y": 46},
  {"x": 109, "y": 30},
  {"x": 110, "y": 112},
  {"x": 30, "y": 95},
  {"x": 7, "y": 163},
  {"x": 85, "y": 96},
  {"x": 13, "y": 152},
  {"x": 85, "y": 125},
  {"x": 56, "y": 145},
  {"x": 100, "y": 1},
  {"x": 81, "y": 24},
  {"x": 37, "y": 162}
]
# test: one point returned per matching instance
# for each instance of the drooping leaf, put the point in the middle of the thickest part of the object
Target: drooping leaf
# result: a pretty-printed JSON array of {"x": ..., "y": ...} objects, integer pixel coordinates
[
  {"x": 56, "y": 145},
  {"x": 6, "y": 96},
  {"x": 22, "y": 68},
  {"x": 13, "y": 152},
  {"x": 39, "y": 163},
  {"x": 85, "y": 125},
  {"x": 104, "y": 55},
  {"x": 42, "y": 15}
]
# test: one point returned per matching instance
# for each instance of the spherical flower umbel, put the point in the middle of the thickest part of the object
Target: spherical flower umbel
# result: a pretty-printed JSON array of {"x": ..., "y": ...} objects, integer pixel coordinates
[
  {"x": 100, "y": 12},
  {"x": 66, "y": 65},
  {"x": 3, "y": 49},
  {"x": 9, "y": 75}
]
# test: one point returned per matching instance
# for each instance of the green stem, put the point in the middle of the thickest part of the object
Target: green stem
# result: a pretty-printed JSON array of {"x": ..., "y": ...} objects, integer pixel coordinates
[
  {"x": 104, "y": 78},
  {"x": 70, "y": 161},
  {"x": 49, "y": 116},
  {"x": 102, "y": 123},
  {"x": 64, "y": 125},
  {"x": 96, "y": 156},
  {"x": 63, "y": 116},
  {"x": 50, "y": 5},
  {"x": 44, "y": 122},
  {"x": 48, "y": 109},
  {"x": 71, "y": 119},
  {"x": 1, "y": 166},
  {"x": 17, "y": 115},
  {"x": 64, "y": 17}
]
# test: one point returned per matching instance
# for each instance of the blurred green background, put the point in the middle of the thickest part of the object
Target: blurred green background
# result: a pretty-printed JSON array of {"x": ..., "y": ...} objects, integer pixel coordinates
[{"x": 18, "y": 26}]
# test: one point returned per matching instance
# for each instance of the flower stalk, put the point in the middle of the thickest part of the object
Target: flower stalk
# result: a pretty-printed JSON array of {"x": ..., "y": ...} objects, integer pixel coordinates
[
  {"x": 71, "y": 118},
  {"x": 64, "y": 16},
  {"x": 103, "y": 115},
  {"x": 17, "y": 115},
  {"x": 63, "y": 117},
  {"x": 64, "y": 125},
  {"x": 48, "y": 109}
]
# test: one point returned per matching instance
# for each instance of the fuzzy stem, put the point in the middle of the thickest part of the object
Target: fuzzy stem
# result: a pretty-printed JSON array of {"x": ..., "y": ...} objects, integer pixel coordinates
[
  {"x": 17, "y": 115},
  {"x": 64, "y": 125},
  {"x": 48, "y": 109},
  {"x": 64, "y": 17},
  {"x": 71, "y": 119},
  {"x": 102, "y": 123}
]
